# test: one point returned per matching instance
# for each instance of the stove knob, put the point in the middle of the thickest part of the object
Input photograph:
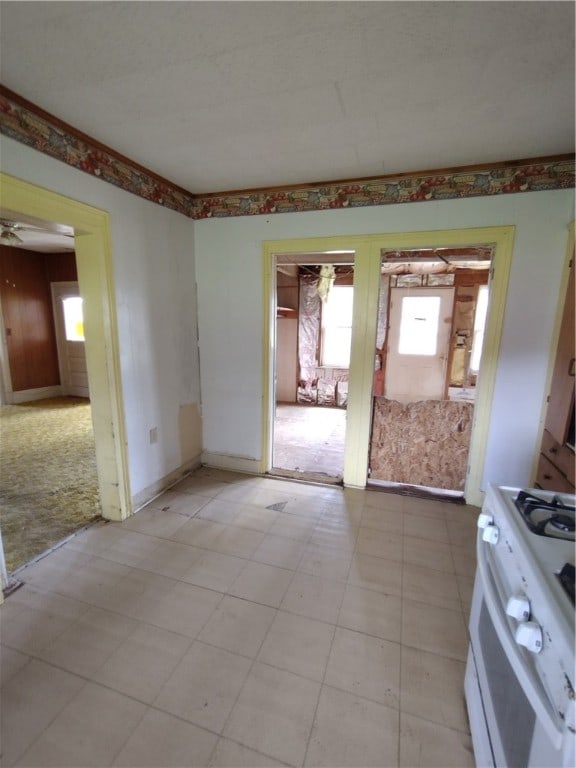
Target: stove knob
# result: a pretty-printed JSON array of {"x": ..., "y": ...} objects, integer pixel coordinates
[
  {"x": 518, "y": 607},
  {"x": 491, "y": 534},
  {"x": 484, "y": 519},
  {"x": 529, "y": 634}
]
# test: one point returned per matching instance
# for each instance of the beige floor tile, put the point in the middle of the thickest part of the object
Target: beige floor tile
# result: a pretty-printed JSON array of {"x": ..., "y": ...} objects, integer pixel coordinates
[
  {"x": 198, "y": 533},
  {"x": 163, "y": 740},
  {"x": 425, "y": 527},
  {"x": 280, "y": 551},
  {"x": 230, "y": 754},
  {"x": 94, "y": 579},
  {"x": 131, "y": 548},
  {"x": 298, "y": 644},
  {"x": 342, "y": 511},
  {"x": 155, "y": 522},
  {"x": 335, "y": 536},
  {"x": 89, "y": 731},
  {"x": 351, "y": 731},
  {"x": 465, "y": 590},
  {"x": 185, "y": 609},
  {"x": 379, "y": 544},
  {"x": 433, "y": 688},
  {"x": 11, "y": 662},
  {"x": 88, "y": 643},
  {"x": 136, "y": 588},
  {"x": 201, "y": 486},
  {"x": 434, "y": 629},
  {"x": 428, "y": 507},
  {"x": 31, "y": 620},
  {"x": 240, "y": 542},
  {"x": 389, "y": 520},
  {"x": 462, "y": 529},
  {"x": 325, "y": 561},
  {"x": 366, "y": 666},
  {"x": 171, "y": 559},
  {"x": 255, "y": 518},
  {"x": 428, "y": 554},
  {"x": 214, "y": 570},
  {"x": 274, "y": 713},
  {"x": 465, "y": 560},
  {"x": 143, "y": 662},
  {"x": 204, "y": 686},
  {"x": 384, "y": 500},
  {"x": 97, "y": 538},
  {"x": 181, "y": 503},
  {"x": 376, "y": 573},
  {"x": 293, "y": 527},
  {"x": 30, "y": 701},
  {"x": 430, "y": 586},
  {"x": 371, "y": 612},
  {"x": 220, "y": 511},
  {"x": 314, "y": 597},
  {"x": 54, "y": 569},
  {"x": 262, "y": 583},
  {"x": 428, "y": 745},
  {"x": 238, "y": 626}
]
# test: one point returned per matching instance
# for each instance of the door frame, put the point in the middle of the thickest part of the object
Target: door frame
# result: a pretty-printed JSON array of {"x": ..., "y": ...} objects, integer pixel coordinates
[
  {"x": 96, "y": 283},
  {"x": 367, "y": 261}
]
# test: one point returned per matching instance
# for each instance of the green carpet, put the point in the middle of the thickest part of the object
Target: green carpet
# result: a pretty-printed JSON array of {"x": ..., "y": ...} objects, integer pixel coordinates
[{"x": 48, "y": 479}]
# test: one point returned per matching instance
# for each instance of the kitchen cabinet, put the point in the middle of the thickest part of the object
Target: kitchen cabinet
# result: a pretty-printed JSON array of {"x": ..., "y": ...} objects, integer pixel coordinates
[{"x": 556, "y": 470}]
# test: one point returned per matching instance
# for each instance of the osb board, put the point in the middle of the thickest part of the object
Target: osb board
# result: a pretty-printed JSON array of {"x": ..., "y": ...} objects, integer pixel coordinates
[{"x": 423, "y": 443}]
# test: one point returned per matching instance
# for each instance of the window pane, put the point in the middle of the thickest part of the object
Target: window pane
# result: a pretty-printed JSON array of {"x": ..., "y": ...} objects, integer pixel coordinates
[
  {"x": 73, "y": 318},
  {"x": 419, "y": 325}
]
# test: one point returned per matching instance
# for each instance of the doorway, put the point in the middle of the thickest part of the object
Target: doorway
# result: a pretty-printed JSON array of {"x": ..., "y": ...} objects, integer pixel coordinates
[
  {"x": 95, "y": 277},
  {"x": 367, "y": 250},
  {"x": 431, "y": 324},
  {"x": 313, "y": 309},
  {"x": 48, "y": 477}
]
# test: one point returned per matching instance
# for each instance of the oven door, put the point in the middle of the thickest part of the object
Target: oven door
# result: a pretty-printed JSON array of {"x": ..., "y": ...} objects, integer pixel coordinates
[{"x": 521, "y": 727}]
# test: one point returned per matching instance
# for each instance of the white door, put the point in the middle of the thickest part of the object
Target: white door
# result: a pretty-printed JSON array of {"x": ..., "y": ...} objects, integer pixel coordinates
[
  {"x": 69, "y": 323},
  {"x": 418, "y": 339}
]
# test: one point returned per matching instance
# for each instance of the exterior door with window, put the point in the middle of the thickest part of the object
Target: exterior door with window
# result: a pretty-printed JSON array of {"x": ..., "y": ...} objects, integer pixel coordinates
[
  {"x": 69, "y": 324},
  {"x": 418, "y": 341}
]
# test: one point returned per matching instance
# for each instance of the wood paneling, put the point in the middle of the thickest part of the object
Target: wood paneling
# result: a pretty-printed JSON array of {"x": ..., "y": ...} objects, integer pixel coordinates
[{"x": 27, "y": 314}]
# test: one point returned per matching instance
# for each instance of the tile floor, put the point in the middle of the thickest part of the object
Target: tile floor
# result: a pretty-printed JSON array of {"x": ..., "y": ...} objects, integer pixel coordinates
[
  {"x": 242, "y": 621},
  {"x": 309, "y": 439}
]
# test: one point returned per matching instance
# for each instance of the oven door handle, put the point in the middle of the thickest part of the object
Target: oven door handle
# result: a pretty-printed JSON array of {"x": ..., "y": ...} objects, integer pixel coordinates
[{"x": 534, "y": 692}]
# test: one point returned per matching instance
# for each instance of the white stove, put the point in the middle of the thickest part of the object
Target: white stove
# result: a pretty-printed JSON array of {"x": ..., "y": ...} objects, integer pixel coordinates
[{"x": 520, "y": 675}]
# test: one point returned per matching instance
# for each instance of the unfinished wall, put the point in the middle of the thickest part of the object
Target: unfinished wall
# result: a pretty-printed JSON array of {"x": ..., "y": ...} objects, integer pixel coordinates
[
  {"x": 424, "y": 443},
  {"x": 466, "y": 285}
]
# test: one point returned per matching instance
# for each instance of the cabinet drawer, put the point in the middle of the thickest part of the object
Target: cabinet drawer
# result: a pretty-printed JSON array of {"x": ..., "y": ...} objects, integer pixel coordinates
[
  {"x": 550, "y": 478},
  {"x": 560, "y": 455}
]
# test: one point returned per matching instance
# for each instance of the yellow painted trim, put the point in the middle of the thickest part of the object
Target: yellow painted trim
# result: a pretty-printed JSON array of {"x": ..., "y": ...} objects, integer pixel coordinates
[
  {"x": 554, "y": 343},
  {"x": 95, "y": 278},
  {"x": 366, "y": 294}
]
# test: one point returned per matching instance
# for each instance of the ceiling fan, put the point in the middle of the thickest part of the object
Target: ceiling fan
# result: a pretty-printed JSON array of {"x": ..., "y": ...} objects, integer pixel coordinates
[{"x": 10, "y": 229}]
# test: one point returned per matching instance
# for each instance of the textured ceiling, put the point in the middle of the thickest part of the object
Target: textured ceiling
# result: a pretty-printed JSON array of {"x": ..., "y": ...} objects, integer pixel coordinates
[{"x": 232, "y": 95}]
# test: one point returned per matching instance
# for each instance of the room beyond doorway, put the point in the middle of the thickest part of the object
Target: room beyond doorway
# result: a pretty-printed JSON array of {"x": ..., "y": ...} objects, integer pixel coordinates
[{"x": 309, "y": 441}]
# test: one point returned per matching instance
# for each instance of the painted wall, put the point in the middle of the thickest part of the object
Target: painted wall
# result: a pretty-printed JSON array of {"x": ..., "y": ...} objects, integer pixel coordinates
[
  {"x": 229, "y": 272},
  {"x": 153, "y": 254}
]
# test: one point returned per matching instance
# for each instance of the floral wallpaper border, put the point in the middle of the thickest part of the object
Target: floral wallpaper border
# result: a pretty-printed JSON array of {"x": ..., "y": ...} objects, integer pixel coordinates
[{"x": 35, "y": 128}]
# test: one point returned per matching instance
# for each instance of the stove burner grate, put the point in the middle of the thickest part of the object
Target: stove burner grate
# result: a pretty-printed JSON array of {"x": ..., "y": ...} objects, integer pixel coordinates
[{"x": 546, "y": 518}]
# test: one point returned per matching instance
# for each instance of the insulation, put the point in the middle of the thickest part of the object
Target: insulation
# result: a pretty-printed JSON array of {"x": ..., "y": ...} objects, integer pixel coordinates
[{"x": 424, "y": 443}]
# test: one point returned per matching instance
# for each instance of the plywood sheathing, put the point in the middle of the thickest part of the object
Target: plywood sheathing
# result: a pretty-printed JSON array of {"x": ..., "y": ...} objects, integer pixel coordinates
[{"x": 424, "y": 443}]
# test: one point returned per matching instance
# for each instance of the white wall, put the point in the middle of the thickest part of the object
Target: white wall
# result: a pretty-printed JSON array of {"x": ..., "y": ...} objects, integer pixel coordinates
[
  {"x": 229, "y": 273},
  {"x": 153, "y": 253}
]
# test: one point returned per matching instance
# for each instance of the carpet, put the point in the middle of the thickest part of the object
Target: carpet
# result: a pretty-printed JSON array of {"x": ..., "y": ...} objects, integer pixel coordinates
[{"x": 48, "y": 478}]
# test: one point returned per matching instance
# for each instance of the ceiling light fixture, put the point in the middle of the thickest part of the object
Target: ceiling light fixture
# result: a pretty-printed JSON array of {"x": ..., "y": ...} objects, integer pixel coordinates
[{"x": 8, "y": 237}]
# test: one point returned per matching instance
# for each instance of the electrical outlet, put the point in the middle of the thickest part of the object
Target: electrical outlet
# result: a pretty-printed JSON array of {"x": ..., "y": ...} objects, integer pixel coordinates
[{"x": 153, "y": 435}]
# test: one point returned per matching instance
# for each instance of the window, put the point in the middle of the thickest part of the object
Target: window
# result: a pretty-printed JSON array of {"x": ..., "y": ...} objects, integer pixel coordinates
[
  {"x": 73, "y": 318},
  {"x": 337, "y": 327},
  {"x": 479, "y": 325},
  {"x": 419, "y": 325}
]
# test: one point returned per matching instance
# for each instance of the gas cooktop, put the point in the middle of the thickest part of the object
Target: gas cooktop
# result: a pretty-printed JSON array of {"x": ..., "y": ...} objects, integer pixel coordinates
[{"x": 546, "y": 517}]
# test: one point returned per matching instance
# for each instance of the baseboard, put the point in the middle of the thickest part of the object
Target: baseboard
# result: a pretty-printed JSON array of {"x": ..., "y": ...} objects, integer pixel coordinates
[
  {"x": 38, "y": 393},
  {"x": 233, "y": 463},
  {"x": 155, "y": 489}
]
